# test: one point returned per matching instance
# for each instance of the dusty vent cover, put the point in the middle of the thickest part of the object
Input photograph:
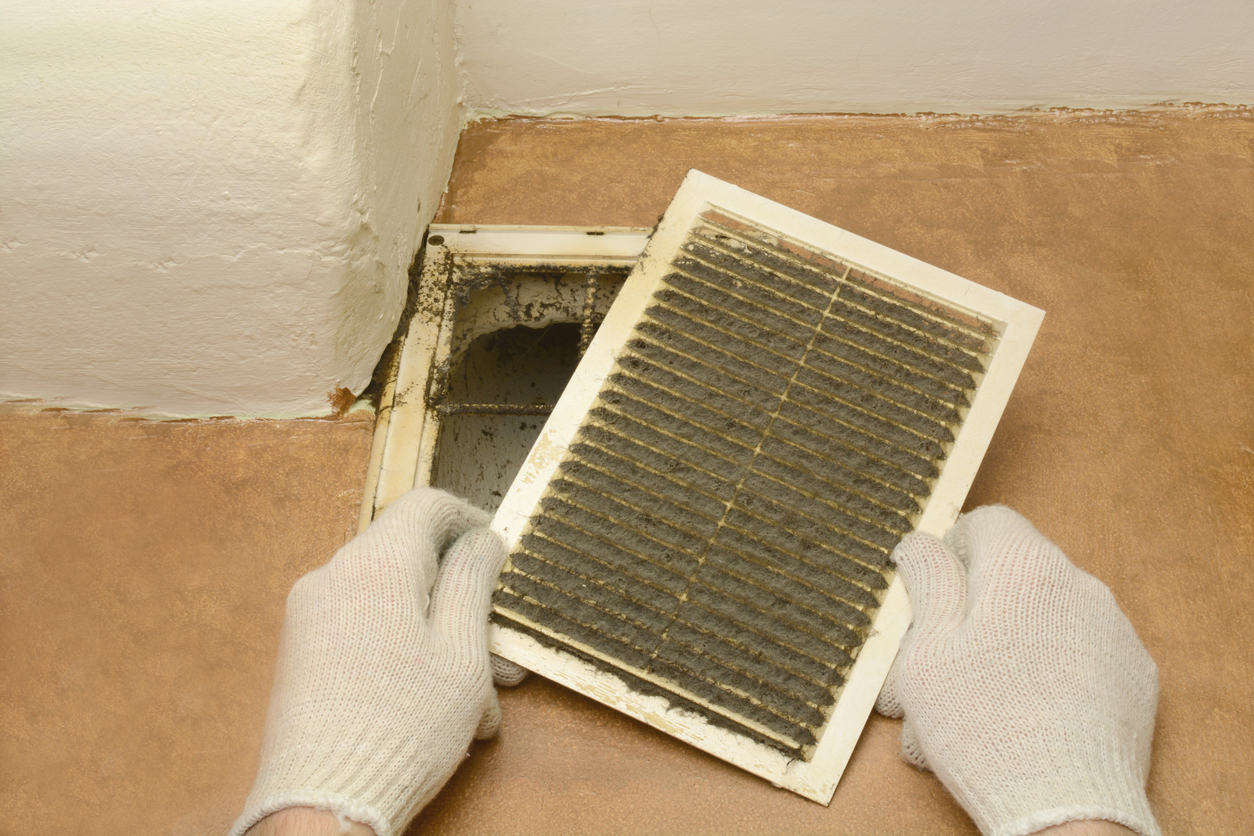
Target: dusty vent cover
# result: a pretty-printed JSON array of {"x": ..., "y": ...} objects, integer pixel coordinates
[{"x": 701, "y": 535}]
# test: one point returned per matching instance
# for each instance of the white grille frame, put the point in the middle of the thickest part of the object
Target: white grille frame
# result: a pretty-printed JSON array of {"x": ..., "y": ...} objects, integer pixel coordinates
[{"x": 1017, "y": 324}]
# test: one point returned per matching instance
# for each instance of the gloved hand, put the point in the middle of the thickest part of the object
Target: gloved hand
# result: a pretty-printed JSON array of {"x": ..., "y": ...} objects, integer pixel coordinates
[
  {"x": 383, "y": 674},
  {"x": 1023, "y": 686}
]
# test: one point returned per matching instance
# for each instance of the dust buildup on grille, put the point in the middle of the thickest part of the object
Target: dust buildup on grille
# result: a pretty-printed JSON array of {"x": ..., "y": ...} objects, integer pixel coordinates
[{"x": 719, "y": 530}]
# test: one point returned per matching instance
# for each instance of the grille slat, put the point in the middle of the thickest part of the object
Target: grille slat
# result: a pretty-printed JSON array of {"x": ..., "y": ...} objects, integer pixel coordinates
[
  {"x": 726, "y": 304},
  {"x": 837, "y": 472},
  {"x": 597, "y": 442},
  {"x": 656, "y": 483},
  {"x": 926, "y": 345},
  {"x": 744, "y": 428},
  {"x": 627, "y": 576},
  {"x": 760, "y": 290},
  {"x": 769, "y": 258},
  {"x": 771, "y": 543},
  {"x": 876, "y": 363},
  {"x": 695, "y": 308},
  {"x": 711, "y": 442},
  {"x": 884, "y": 337},
  {"x": 808, "y": 643},
  {"x": 777, "y": 581},
  {"x": 729, "y": 625},
  {"x": 878, "y": 529},
  {"x": 548, "y": 583},
  {"x": 711, "y": 681},
  {"x": 631, "y": 431},
  {"x": 719, "y": 400},
  {"x": 689, "y": 511},
  {"x": 773, "y": 567},
  {"x": 667, "y": 323},
  {"x": 958, "y": 329},
  {"x": 903, "y": 314},
  {"x": 894, "y": 320},
  {"x": 840, "y": 450},
  {"x": 722, "y": 520},
  {"x": 649, "y": 359},
  {"x": 876, "y": 415},
  {"x": 940, "y": 409},
  {"x": 799, "y": 696},
  {"x": 704, "y": 359},
  {"x": 623, "y": 514},
  {"x": 671, "y": 577},
  {"x": 715, "y": 350},
  {"x": 833, "y": 491},
  {"x": 600, "y": 527},
  {"x": 823, "y": 623},
  {"x": 817, "y": 412},
  {"x": 911, "y": 358},
  {"x": 614, "y": 635},
  {"x": 814, "y": 289}
]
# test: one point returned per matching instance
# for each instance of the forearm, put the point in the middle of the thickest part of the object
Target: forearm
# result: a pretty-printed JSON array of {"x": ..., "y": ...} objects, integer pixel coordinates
[{"x": 306, "y": 821}]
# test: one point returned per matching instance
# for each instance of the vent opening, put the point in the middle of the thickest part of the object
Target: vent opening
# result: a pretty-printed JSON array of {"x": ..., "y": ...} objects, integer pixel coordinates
[
  {"x": 500, "y": 318},
  {"x": 493, "y": 391},
  {"x": 520, "y": 370}
]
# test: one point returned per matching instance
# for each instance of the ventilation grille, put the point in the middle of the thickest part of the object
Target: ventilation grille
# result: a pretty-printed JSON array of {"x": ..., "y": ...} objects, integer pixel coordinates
[{"x": 720, "y": 527}]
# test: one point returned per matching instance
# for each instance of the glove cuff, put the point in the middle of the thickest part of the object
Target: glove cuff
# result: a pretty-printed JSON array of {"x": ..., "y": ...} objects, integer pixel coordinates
[
  {"x": 1057, "y": 777},
  {"x": 1139, "y": 819},
  {"x": 341, "y": 805}
]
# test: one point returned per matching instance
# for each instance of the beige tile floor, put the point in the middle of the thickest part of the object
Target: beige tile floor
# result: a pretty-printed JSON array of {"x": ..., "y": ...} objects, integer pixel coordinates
[{"x": 143, "y": 565}]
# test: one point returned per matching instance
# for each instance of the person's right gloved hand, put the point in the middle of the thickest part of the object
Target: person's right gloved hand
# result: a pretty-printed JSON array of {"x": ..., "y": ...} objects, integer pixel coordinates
[{"x": 1022, "y": 684}]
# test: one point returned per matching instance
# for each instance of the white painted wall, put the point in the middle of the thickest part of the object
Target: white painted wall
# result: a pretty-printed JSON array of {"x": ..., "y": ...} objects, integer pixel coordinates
[
  {"x": 210, "y": 208},
  {"x": 745, "y": 57}
]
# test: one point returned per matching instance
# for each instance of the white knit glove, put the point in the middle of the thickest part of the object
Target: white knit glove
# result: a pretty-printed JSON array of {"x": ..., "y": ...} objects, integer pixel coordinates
[
  {"x": 1023, "y": 686},
  {"x": 383, "y": 674}
]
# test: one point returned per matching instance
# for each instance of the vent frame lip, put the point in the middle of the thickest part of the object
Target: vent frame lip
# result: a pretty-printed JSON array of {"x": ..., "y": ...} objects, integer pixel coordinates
[
  {"x": 406, "y": 428},
  {"x": 1016, "y": 324}
]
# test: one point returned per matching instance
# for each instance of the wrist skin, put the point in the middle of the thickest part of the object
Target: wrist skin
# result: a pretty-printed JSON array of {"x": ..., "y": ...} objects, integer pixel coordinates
[{"x": 306, "y": 821}]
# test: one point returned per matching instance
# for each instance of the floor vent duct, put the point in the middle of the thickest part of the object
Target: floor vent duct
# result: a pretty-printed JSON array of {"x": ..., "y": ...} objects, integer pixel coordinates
[
  {"x": 501, "y": 316},
  {"x": 700, "y": 537}
]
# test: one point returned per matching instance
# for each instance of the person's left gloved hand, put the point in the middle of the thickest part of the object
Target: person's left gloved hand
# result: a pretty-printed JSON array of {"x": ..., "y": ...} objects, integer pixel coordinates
[{"x": 383, "y": 675}]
